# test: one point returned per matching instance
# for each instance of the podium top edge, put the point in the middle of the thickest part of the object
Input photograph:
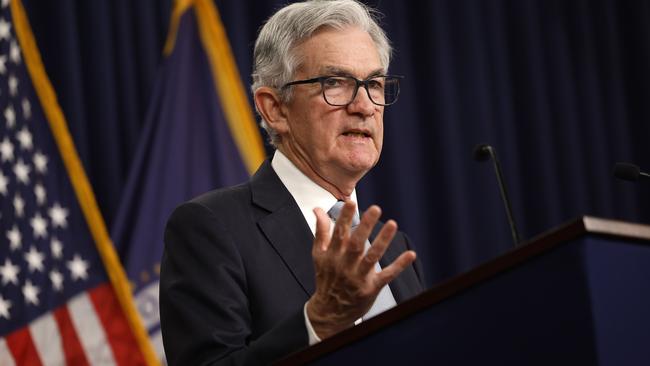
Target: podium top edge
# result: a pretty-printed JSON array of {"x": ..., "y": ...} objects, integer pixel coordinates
[
  {"x": 585, "y": 225},
  {"x": 617, "y": 228}
]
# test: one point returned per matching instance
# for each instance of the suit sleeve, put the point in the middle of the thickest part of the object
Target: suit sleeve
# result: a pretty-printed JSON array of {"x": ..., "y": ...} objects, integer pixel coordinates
[{"x": 204, "y": 309}]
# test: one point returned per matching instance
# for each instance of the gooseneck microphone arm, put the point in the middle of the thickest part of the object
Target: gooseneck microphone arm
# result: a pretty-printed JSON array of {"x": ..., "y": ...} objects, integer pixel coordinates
[
  {"x": 484, "y": 152},
  {"x": 629, "y": 172}
]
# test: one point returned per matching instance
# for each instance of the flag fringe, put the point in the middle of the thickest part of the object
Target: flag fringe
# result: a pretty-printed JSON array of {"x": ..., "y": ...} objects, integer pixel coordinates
[
  {"x": 78, "y": 178},
  {"x": 228, "y": 83},
  {"x": 179, "y": 9},
  {"x": 226, "y": 77}
]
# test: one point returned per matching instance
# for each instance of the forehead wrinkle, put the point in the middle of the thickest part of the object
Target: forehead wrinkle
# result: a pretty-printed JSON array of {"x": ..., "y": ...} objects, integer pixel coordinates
[{"x": 342, "y": 71}]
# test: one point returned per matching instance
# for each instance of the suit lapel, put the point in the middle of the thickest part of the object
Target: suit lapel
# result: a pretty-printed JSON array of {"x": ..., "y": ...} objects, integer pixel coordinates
[
  {"x": 284, "y": 226},
  {"x": 286, "y": 230},
  {"x": 402, "y": 287}
]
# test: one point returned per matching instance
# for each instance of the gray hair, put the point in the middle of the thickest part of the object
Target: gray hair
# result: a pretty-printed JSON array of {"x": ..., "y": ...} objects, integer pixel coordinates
[{"x": 274, "y": 60}]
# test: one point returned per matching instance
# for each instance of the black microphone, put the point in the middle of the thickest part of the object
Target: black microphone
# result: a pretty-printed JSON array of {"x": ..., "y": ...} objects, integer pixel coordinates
[
  {"x": 629, "y": 172},
  {"x": 483, "y": 152}
]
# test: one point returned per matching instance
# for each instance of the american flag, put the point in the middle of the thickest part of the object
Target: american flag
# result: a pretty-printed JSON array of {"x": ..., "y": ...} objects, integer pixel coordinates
[{"x": 57, "y": 306}]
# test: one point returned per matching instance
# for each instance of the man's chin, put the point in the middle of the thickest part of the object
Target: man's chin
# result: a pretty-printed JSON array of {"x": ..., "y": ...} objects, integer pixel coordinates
[{"x": 360, "y": 166}]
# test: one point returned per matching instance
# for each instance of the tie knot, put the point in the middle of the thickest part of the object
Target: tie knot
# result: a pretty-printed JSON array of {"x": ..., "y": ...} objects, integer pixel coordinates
[{"x": 335, "y": 212}]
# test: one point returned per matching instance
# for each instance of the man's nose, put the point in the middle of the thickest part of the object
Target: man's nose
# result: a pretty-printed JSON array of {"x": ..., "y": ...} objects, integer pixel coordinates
[{"x": 362, "y": 103}]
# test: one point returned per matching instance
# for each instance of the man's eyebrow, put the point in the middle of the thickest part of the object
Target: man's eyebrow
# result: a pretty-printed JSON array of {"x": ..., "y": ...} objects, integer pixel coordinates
[
  {"x": 337, "y": 71},
  {"x": 375, "y": 73}
]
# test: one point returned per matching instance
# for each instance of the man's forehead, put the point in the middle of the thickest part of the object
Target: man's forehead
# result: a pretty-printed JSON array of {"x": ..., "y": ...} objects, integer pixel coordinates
[
  {"x": 337, "y": 70},
  {"x": 350, "y": 51}
]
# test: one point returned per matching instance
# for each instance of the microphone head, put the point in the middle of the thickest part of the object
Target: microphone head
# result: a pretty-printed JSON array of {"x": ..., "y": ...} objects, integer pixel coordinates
[
  {"x": 626, "y": 171},
  {"x": 482, "y": 152}
]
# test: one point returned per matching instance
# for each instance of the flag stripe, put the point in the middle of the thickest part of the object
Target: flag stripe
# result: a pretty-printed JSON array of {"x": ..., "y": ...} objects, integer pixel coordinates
[
  {"x": 91, "y": 334},
  {"x": 74, "y": 353},
  {"x": 22, "y": 348},
  {"x": 47, "y": 340},
  {"x": 6, "y": 358},
  {"x": 119, "y": 336}
]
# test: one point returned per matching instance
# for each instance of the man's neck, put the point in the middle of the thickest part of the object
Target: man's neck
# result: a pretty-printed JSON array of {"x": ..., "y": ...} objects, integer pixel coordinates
[{"x": 339, "y": 187}]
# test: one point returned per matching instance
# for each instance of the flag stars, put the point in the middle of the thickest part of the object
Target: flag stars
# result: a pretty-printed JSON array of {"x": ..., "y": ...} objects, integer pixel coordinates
[
  {"x": 5, "y": 305},
  {"x": 9, "y": 273},
  {"x": 40, "y": 193},
  {"x": 27, "y": 108},
  {"x": 12, "y": 83},
  {"x": 10, "y": 116},
  {"x": 34, "y": 259},
  {"x": 78, "y": 268},
  {"x": 4, "y": 181},
  {"x": 3, "y": 64},
  {"x": 57, "y": 280},
  {"x": 5, "y": 3},
  {"x": 19, "y": 205},
  {"x": 56, "y": 247},
  {"x": 39, "y": 226},
  {"x": 15, "y": 238},
  {"x": 40, "y": 162},
  {"x": 22, "y": 171},
  {"x": 58, "y": 215},
  {"x": 25, "y": 139},
  {"x": 5, "y": 29},
  {"x": 31, "y": 293},
  {"x": 14, "y": 52},
  {"x": 6, "y": 150}
]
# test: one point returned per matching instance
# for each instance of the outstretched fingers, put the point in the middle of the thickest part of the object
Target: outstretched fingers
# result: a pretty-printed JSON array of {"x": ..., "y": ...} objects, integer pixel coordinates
[
  {"x": 359, "y": 236},
  {"x": 378, "y": 247},
  {"x": 394, "y": 269},
  {"x": 342, "y": 226}
]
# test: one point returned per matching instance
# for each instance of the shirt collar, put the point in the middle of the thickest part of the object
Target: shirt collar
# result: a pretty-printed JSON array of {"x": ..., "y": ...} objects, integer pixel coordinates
[{"x": 307, "y": 194}]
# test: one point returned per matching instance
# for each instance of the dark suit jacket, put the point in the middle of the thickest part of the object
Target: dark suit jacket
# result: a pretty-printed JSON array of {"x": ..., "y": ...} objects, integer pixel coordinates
[{"x": 237, "y": 271}]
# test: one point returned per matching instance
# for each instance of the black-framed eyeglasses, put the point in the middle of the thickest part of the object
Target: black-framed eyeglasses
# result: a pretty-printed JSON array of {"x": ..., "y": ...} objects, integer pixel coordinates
[{"x": 340, "y": 91}]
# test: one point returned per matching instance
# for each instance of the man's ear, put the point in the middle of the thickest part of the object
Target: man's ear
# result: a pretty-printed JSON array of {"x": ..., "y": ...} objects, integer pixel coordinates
[{"x": 271, "y": 108}]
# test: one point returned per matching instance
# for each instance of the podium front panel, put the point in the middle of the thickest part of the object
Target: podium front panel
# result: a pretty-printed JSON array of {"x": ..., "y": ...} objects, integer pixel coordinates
[{"x": 583, "y": 302}]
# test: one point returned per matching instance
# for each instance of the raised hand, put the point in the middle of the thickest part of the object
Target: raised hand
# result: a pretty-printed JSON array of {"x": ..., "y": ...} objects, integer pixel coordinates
[{"x": 346, "y": 282}]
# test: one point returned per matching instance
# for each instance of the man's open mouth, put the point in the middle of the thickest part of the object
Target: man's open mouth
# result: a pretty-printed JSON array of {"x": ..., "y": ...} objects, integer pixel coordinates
[{"x": 356, "y": 134}]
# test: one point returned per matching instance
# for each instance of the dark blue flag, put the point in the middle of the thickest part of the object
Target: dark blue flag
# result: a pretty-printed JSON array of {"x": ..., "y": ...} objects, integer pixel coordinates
[{"x": 199, "y": 135}]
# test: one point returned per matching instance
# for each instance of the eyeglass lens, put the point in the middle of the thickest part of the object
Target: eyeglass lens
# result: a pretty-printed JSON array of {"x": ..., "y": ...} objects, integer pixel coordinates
[{"x": 340, "y": 90}]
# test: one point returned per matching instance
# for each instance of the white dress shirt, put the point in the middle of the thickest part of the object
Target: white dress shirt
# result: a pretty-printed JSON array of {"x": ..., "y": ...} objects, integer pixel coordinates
[{"x": 308, "y": 195}]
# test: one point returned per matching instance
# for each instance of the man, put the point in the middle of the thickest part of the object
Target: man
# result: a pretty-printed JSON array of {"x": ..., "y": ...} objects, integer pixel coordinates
[{"x": 253, "y": 272}]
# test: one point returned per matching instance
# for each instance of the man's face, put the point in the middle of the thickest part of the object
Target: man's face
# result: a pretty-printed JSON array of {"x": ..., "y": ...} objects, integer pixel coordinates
[{"x": 336, "y": 143}]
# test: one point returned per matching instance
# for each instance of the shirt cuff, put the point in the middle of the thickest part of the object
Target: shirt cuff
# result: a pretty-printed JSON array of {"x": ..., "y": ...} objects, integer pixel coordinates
[{"x": 313, "y": 338}]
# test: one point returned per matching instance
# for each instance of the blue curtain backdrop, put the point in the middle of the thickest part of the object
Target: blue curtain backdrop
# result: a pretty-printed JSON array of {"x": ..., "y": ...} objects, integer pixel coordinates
[{"x": 561, "y": 89}]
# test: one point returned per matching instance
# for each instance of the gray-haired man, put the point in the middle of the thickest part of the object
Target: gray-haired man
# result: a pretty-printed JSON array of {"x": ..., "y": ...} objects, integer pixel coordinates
[{"x": 253, "y": 272}]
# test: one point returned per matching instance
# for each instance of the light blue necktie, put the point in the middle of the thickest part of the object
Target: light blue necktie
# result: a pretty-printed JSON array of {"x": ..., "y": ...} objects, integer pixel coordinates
[{"x": 385, "y": 299}]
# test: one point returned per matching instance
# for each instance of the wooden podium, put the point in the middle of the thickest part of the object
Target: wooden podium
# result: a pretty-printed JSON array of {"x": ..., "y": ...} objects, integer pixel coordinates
[{"x": 576, "y": 295}]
